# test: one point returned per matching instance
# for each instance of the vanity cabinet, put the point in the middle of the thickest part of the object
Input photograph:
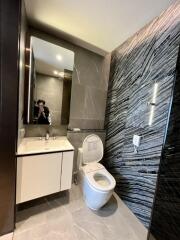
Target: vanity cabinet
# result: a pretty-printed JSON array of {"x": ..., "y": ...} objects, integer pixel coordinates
[
  {"x": 66, "y": 171},
  {"x": 43, "y": 174}
]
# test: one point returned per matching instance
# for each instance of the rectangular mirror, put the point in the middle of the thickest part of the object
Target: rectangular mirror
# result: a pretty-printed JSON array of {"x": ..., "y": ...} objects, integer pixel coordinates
[{"x": 48, "y": 90}]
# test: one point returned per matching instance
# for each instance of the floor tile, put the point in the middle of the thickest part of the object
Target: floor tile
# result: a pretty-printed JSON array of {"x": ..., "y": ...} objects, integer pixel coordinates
[{"x": 65, "y": 216}]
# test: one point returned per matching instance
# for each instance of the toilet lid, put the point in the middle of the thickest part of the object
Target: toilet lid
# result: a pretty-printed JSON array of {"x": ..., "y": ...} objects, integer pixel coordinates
[{"x": 92, "y": 149}]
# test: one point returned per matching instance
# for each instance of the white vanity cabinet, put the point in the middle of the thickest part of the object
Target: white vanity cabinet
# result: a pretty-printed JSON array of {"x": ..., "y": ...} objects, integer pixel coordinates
[
  {"x": 43, "y": 174},
  {"x": 66, "y": 171}
]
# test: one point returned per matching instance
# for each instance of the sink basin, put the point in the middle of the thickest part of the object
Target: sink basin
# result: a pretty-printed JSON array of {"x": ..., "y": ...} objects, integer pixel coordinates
[{"x": 36, "y": 145}]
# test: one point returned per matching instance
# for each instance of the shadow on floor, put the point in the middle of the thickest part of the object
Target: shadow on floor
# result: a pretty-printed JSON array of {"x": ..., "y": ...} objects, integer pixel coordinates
[{"x": 109, "y": 208}]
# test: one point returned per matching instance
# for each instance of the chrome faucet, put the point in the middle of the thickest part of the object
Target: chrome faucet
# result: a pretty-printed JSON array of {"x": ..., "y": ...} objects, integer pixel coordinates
[{"x": 47, "y": 136}]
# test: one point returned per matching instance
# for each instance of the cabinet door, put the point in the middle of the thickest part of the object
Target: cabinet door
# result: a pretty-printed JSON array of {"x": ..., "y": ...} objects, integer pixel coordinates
[
  {"x": 67, "y": 169},
  {"x": 38, "y": 176}
]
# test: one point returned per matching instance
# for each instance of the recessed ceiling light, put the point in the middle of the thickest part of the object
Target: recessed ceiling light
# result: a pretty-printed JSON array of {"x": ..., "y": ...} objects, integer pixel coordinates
[
  {"x": 59, "y": 57},
  {"x": 61, "y": 74},
  {"x": 55, "y": 72}
]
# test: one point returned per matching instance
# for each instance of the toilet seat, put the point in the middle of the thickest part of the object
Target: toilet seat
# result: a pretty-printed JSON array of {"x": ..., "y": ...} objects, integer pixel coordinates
[
  {"x": 101, "y": 180},
  {"x": 92, "y": 167}
]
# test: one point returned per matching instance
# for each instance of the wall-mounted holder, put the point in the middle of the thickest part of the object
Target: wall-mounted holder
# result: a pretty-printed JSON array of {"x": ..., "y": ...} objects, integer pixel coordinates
[
  {"x": 151, "y": 104},
  {"x": 136, "y": 142}
]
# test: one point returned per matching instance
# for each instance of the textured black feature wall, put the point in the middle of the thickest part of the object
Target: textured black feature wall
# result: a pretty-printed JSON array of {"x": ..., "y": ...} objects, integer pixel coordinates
[
  {"x": 9, "y": 39},
  {"x": 165, "y": 224},
  {"x": 147, "y": 58}
]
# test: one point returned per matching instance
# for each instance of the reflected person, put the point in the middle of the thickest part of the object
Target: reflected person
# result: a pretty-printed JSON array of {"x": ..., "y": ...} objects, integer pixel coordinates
[{"x": 41, "y": 113}]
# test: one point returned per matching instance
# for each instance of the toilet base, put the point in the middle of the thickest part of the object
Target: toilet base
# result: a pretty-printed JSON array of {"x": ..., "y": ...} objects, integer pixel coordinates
[
  {"x": 93, "y": 209},
  {"x": 95, "y": 199}
]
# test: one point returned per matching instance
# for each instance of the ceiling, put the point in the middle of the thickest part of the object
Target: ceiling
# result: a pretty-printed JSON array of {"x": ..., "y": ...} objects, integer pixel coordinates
[
  {"x": 102, "y": 24},
  {"x": 51, "y": 59}
]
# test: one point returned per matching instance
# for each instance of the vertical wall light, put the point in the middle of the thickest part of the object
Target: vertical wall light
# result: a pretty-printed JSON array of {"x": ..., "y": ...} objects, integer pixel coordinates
[
  {"x": 29, "y": 81},
  {"x": 153, "y": 104}
]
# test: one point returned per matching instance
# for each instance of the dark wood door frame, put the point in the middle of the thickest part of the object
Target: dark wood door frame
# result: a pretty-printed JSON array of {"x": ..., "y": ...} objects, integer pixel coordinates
[{"x": 9, "y": 55}]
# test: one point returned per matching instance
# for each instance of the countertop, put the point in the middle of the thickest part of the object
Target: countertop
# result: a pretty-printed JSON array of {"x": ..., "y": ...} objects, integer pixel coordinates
[{"x": 35, "y": 145}]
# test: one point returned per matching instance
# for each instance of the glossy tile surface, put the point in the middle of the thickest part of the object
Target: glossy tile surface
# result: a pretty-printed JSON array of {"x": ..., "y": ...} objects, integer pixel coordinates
[
  {"x": 165, "y": 224},
  {"x": 145, "y": 60},
  {"x": 65, "y": 216}
]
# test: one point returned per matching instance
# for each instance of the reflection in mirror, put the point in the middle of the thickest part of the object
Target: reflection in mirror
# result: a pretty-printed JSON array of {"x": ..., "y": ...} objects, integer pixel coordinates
[{"x": 49, "y": 83}]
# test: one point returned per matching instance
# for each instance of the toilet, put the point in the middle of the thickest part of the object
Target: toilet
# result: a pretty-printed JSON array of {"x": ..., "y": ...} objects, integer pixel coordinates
[{"x": 97, "y": 183}]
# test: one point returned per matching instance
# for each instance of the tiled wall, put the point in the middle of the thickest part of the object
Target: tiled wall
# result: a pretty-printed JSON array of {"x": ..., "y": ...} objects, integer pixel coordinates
[
  {"x": 146, "y": 58},
  {"x": 165, "y": 224},
  {"x": 40, "y": 130},
  {"x": 89, "y": 90}
]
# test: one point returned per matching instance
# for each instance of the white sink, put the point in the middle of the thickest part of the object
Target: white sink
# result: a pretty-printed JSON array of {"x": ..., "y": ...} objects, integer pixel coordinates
[{"x": 36, "y": 145}]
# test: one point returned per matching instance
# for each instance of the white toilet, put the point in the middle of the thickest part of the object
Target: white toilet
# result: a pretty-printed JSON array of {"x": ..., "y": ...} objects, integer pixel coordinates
[{"x": 97, "y": 183}]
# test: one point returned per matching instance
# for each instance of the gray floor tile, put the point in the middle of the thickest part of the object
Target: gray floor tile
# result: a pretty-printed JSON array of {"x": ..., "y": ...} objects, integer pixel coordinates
[{"x": 65, "y": 216}]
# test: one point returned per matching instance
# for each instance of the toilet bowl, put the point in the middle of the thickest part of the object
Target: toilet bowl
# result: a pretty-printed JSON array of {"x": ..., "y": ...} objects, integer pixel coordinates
[{"x": 97, "y": 183}]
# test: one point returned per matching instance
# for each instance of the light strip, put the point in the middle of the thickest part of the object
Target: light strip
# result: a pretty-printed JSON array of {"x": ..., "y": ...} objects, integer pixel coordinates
[
  {"x": 155, "y": 93},
  {"x": 151, "y": 115},
  {"x": 29, "y": 84}
]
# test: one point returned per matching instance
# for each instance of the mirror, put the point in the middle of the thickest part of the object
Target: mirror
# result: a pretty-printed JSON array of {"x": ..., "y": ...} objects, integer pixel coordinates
[{"x": 48, "y": 92}]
